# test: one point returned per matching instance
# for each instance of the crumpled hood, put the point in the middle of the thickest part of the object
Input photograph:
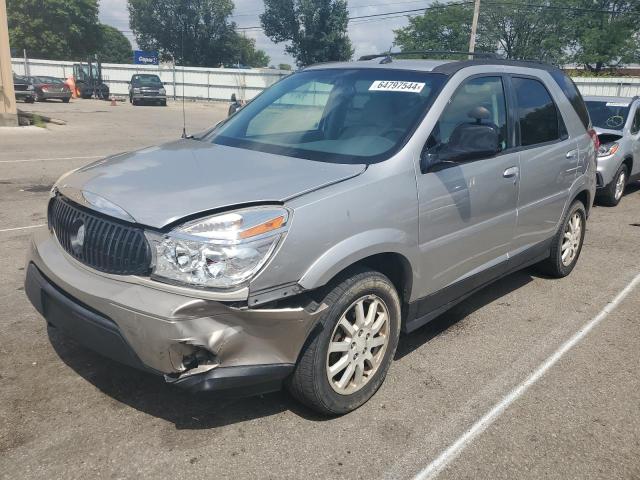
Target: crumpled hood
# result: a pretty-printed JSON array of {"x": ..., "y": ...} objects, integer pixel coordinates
[
  {"x": 159, "y": 185},
  {"x": 605, "y": 131}
]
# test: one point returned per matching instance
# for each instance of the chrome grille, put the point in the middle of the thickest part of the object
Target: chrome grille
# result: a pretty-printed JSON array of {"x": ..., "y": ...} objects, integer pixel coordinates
[{"x": 99, "y": 241}]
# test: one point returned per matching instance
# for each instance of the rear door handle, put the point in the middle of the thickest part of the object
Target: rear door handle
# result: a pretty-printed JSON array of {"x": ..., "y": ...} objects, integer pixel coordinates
[{"x": 511, "y": 172}]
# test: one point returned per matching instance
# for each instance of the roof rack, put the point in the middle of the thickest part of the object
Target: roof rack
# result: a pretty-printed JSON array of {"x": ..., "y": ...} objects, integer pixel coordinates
[{"x": 388, "y": 56}]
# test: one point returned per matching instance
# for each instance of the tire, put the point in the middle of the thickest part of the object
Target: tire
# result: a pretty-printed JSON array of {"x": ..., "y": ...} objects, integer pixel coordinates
[
  {"x": 38, "y": 98},
  {"x": 612, "y": 193},
  {"x": 65, "y": 100},
  {"x": 135, "y": 102},
  {"x": 310, "y": 382},
  {"x": 29, "y": 100},
  {"x": 163, "y": 103},
  {"x": 555, "y": 266}
]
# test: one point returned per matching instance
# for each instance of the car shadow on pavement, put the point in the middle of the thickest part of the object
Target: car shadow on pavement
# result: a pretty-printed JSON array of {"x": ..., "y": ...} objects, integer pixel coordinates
[
  {"x": 149, "y": 394},
  {"x": 414, "y": 340}
]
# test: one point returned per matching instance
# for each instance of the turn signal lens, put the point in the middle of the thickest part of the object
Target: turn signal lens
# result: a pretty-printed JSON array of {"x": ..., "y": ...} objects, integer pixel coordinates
[{"x": 265, "y": 227}]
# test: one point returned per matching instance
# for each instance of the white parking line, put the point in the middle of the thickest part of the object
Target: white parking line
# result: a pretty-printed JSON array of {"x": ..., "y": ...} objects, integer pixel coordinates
[
  {"x": 437, "y": 465},
  {"x": 52, "y": 159},
  {"x": 21, "y": 228}
]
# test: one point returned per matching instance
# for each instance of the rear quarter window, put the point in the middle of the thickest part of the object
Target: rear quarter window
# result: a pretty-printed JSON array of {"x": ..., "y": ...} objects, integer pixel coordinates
[{"x": 573, "y": 95}]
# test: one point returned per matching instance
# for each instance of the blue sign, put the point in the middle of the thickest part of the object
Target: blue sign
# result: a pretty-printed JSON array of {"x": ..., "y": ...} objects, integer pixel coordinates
[{"x": 141, "y": 57}]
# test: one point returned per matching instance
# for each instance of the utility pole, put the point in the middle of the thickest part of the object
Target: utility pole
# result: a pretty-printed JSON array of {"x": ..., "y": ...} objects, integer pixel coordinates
[
  {"x": 8, "y": 112},
  {"x": 474, "y": 29}
]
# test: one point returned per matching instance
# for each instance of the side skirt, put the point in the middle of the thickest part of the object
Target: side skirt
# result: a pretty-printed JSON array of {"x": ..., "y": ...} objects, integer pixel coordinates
[{"x": 426, "y": 309}]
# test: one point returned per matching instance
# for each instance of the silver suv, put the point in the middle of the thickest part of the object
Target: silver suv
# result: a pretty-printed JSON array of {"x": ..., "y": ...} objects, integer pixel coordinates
[
  {"x": 617, "y": 121},
  {"x": 293, "y": 242}
]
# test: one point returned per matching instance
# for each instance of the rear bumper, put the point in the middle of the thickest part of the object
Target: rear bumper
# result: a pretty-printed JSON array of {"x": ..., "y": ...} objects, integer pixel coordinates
[
  {"x": 24, "y": 94},
  {"x": 196, "y": 344},
  {"x": 55, "y": 95}
]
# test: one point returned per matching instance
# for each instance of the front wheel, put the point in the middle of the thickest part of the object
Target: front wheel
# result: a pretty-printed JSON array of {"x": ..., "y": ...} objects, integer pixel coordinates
[
  {"x": 567, "y": 243},
  {"x": 612, "y": 193},
  {"x": 347, "y": 361}
]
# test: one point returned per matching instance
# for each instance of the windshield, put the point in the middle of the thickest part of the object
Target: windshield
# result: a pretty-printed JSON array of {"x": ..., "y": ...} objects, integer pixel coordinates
[
  {"x": 346, "y": 116},
  {"x": 608, "y": 115},
  {"x": 147, "y": 80}
]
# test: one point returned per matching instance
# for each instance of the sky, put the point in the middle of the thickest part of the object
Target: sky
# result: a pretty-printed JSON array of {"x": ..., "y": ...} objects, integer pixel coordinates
[{"x": 372, "y": 35}]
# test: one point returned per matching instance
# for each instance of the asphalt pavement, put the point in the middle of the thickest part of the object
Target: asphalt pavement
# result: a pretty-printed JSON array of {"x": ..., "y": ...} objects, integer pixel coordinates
[{"x": 66, "y": 412}]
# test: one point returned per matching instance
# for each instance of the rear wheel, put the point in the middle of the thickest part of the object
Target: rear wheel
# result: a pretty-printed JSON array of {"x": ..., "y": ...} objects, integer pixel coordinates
[
  {"x": 347, "y": 361},
  {"x": 567, "y": 243},
  {"x": 612, "y": 193}
]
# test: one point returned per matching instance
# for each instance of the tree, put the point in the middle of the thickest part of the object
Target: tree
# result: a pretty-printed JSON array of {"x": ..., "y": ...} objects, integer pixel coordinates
[
  {"x": 442, "y": 28},
  {"x": 284, "y": 66},
  {"x": 195, "y": 33},
  {"x": 54, "y": 29},
  {"x": 525, "y": 30},
  {"x": 114, "y": 46},
  {"x": 605, "y": 39},
  {"x": 247, "y": 53},
  {"x": 316, "y": 29}
]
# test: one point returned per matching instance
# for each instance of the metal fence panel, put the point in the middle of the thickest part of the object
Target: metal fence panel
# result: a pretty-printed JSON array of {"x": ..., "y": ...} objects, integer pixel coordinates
[
  {"x": 198, "y": 83},
  {"x": 220, "y": 83}
]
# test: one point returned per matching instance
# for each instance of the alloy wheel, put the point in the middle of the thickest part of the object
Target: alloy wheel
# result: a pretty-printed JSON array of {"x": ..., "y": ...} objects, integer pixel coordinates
[
  {"x": 572, "y": 239},
  {"x": 358, "y": 345},
  {"x": 620, "y": 184}
]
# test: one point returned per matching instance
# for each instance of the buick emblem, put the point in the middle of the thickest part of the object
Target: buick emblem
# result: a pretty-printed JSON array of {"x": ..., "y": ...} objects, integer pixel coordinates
[{"x": 77, "y": 237}]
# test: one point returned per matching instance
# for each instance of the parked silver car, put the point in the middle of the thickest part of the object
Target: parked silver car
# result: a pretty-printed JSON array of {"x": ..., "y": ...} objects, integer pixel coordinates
[
  {"x": 295, "y": 240},
  {"x": 617, "y": 121}
]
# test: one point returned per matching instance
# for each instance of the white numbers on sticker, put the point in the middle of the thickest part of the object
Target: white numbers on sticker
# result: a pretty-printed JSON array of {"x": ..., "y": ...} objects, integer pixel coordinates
[{"x": 396, "y": 86}]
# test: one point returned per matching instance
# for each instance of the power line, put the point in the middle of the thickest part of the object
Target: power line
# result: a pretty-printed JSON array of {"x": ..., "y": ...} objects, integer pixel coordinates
[{"x": 414, "y": 10}]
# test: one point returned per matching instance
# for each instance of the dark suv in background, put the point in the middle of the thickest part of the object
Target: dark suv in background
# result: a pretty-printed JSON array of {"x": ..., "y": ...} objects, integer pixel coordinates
[{"x": 147, "y": 88}]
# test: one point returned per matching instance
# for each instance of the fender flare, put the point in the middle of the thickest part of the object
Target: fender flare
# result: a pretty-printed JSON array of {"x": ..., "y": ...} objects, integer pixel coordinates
[{"x": 354, "y": 249}]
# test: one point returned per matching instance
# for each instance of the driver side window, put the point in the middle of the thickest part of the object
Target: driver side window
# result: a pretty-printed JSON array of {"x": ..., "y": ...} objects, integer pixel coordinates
[{"x": 476, "y": 114}]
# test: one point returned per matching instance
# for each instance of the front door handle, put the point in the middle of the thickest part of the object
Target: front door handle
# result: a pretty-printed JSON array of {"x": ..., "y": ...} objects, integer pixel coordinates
[
  {"x": 572, "y": 154},
  {"x": 511, "y": 172}
]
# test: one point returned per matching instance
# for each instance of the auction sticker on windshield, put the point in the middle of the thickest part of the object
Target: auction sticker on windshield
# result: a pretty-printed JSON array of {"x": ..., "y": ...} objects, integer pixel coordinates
[
  {"x": 396, "y": 86},
  {"x": 616, "y": 104}
]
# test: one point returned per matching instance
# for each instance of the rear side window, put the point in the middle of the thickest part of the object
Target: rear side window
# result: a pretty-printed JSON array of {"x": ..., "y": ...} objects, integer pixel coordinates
[
  {"x": 635, "y": 126},
  {"x": 537, "y": 113},
  {"x": 573, "y": 95}
]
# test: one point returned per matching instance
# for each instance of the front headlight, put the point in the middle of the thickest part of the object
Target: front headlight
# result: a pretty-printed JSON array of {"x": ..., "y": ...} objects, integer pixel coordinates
[
  {"x": 136, "y": 90},
  {"x": 608, "y": 149},
  {"x": 221, "y": 251},
  {"x": 162, "y": 91}
]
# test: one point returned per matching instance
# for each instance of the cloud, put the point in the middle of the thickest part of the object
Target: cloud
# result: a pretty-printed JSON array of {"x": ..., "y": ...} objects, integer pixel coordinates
[{"x": 372, "y": 35}]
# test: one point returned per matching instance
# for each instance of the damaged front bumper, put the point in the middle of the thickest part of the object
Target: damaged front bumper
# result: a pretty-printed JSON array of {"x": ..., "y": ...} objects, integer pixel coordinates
[{"x": 198, "y": 344}]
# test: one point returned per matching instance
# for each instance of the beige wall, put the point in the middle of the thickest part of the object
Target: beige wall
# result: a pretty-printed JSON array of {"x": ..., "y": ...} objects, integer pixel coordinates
[{"x": 8, "y": 115}]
